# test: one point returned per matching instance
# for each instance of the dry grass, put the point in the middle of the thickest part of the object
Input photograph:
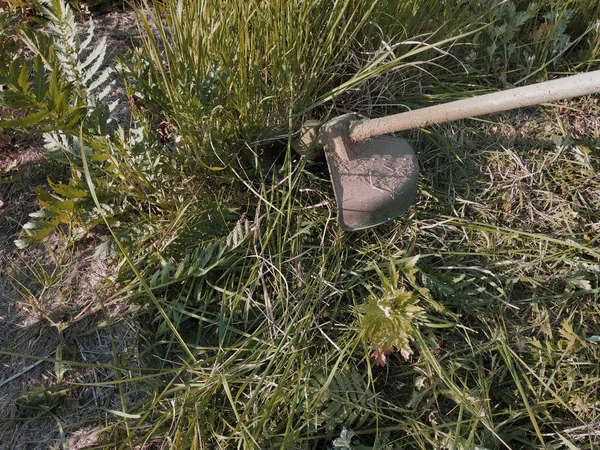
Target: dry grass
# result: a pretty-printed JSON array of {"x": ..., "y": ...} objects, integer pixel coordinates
[{"x": 55, "y": 304}]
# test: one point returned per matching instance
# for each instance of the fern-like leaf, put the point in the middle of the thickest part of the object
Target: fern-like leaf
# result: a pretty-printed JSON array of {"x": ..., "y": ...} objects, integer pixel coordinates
[
  {"x": 204, "y": 258},
  {"x": 344, "y": 398}
]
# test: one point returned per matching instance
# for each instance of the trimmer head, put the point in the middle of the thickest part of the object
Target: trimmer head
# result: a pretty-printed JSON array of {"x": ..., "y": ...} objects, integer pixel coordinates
[{"x": 373, "y": 181}]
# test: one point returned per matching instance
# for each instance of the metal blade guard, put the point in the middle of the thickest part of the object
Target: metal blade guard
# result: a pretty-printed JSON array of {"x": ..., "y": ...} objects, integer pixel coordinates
[{"x": 374, "y": 181}]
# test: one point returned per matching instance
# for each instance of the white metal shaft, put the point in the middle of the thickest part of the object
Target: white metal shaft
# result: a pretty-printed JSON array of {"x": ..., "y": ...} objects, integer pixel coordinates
[{"x": 573, "y": 86}]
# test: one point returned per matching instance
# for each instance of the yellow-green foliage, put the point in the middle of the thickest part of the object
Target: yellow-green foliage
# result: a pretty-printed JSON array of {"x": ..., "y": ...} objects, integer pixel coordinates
[{"x": 389, "y": 318}]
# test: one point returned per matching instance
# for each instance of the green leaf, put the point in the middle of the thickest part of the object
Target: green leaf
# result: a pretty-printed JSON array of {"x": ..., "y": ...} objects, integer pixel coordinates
[
  {"x": 60, "y": 368},
  {"x": 100, "y": 157},
  {"x": 24, "y": 83},
  {"x": 16, "y": 100},
  {"x": 76, "y": 116},
  {"x": 408, "y": 266},
  {"x": 27, "y": 121},
  {"x": 39, "y": 229},
  {"x": 53, "y": 89},
  {"x": 40, "y": 82},
  {"x": 67, "y": 191},
  {"x": 44, "y": 198},
  {"x": 180, "y": 269},
  {"x": 61, "y": 100},
  {"x": 14, "y": 69},
  {"x": 60, "y": 94},
  {"x": 97, "y": 119},
  {"x": 165, "y": 272}
]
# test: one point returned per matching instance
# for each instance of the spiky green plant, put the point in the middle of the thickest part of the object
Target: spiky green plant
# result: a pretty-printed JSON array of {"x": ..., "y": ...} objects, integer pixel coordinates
[
  {"x": 389, "y": 318},
  {"x": 64, "y": 87}
]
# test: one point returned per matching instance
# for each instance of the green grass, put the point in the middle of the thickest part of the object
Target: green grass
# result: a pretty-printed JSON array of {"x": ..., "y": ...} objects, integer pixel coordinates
[{"x": 262, "y": 317}]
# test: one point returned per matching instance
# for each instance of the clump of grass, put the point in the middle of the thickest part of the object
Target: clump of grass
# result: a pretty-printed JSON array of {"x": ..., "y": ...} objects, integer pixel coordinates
[{"x": 225, "y": 72}]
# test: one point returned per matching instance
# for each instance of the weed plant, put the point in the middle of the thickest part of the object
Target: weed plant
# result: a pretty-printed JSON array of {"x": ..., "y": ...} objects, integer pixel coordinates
[{"x": 470, "y": 322}]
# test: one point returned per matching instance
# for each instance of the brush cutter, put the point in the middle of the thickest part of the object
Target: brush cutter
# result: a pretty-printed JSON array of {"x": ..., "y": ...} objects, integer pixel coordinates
[{"x": 375, "y": 177}]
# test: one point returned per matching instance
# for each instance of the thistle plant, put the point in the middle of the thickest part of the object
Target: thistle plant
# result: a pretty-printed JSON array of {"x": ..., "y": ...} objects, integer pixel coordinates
[{"x": 389, "y": 319}]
